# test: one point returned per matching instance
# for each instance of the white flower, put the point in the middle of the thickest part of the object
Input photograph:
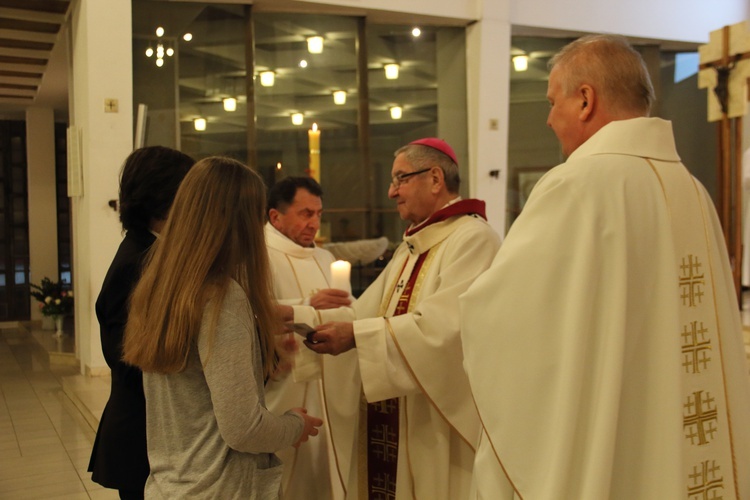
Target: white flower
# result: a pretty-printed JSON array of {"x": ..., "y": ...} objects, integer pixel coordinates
[
  {"x": 47, "y": 300},
  {"x": 57, "y": 302}
]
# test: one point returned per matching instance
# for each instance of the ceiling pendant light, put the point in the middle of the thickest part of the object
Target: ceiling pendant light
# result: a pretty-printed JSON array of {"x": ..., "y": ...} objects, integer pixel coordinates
[
  {"x": 391, "y": 71},
  {"x": 267, "y": 78},
  {"x": 521, "y": 62},
  {"x": 315, "y": 44},
  {"x": 230, "y": 104},
  {"x": 339, "y": 97}
]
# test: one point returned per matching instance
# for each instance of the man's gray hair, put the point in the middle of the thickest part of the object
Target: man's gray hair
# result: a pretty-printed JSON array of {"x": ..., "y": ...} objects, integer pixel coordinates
[
  {"x": 612, "y": 67},
  {"x": 421, "y": 157}
]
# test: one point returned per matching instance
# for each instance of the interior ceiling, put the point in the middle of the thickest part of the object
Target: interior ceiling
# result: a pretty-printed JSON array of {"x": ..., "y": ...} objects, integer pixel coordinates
[{"x": 33, "y": 67}]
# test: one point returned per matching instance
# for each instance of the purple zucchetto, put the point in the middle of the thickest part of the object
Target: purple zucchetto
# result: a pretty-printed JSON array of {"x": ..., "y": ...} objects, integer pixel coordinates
[{"x": 439, "y": 144}]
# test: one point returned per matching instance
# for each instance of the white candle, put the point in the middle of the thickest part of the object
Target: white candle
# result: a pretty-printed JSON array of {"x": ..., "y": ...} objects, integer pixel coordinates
[{"x": 340, "y": 271}]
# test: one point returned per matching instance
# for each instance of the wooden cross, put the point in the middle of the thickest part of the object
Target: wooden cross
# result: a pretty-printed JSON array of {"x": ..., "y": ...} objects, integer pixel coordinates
[{"x": 725, "y": 70}]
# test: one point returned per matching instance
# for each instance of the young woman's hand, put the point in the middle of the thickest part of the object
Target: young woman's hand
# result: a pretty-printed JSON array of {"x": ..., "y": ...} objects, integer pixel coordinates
[{"x": 310, "y": 428}]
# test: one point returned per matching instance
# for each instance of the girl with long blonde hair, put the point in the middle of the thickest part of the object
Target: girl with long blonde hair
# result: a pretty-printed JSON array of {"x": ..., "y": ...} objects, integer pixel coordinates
[{"x": 200, "y": 327}]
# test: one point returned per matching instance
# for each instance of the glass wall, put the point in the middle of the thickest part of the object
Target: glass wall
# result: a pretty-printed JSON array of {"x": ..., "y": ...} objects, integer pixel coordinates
[
  {"x": 402, "y": 104},
  {"x": 341, "y": 87},
  {"x": 306, "y": 77},
  {"x": 187, "y": 59}
]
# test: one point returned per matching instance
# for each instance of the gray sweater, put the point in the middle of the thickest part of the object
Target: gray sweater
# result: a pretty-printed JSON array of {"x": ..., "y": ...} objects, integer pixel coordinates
[{"x": 208, "y": 431}]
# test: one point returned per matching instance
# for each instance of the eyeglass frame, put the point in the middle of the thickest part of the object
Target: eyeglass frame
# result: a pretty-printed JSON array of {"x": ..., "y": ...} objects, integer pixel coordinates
[{"x": 398, "y": 179}]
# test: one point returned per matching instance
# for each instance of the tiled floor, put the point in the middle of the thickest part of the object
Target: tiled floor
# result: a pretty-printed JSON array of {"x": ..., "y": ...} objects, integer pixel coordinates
[
  {"x": 49, "y": 413},
  {"x": 45, "y": 441}
]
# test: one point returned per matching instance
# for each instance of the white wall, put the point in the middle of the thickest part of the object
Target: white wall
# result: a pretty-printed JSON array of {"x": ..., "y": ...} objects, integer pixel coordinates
[
  {"x": 450, "y": 9},
  {"x": 683, "y": 20},
  {"x": 102, "y": 69},
  {"x": 488, "y": 58},
  {"x": 40, "y": 160}
]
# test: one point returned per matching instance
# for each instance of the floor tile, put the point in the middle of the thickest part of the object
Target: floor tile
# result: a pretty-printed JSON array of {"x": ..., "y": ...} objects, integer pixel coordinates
[
  {"x": 54, "y": 482},
  {"x": 104, "y": 494}
]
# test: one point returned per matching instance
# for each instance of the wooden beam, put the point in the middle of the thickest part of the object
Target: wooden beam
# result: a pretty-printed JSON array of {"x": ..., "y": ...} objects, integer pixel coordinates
[{"x": 32, "y": 15}]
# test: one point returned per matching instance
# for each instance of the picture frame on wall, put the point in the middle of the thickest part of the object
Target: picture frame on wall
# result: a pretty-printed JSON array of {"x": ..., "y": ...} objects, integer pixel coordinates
[{"x": 521, "y": 183}]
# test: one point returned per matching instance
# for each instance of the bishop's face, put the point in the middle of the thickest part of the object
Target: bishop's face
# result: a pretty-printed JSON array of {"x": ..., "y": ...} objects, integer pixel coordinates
[
  {"x": 565, "y": 112},
  {"x": 414, "y": 200}
]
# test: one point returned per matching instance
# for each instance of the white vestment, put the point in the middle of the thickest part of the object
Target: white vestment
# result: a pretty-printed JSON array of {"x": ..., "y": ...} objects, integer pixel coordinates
[
  {"x": 312, "y": 471},
  {"x": 417, "y": 357},
  {"x": 604, "y": 345}
]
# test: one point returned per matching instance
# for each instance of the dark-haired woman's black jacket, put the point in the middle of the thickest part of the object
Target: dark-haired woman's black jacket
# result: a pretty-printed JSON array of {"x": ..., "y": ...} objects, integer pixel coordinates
[{"x": 119, "y": 459}]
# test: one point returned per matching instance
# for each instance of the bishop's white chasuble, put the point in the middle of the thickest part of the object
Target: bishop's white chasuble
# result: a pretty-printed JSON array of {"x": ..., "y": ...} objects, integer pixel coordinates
[{"x": 415, "y": 355}]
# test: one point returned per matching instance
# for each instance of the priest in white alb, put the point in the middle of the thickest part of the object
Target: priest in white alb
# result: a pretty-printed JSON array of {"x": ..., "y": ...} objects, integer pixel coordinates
[
  {"x": 302, "y": 275},
  {"x": 604, "y": 345}
]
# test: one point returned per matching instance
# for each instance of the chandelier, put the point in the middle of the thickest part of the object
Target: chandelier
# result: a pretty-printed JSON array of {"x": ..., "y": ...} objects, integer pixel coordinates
[{"x": 162, "y": 49}]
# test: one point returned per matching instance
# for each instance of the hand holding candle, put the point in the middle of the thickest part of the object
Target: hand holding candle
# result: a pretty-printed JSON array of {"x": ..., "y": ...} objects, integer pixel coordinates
[{"x": 340, "y": 271}]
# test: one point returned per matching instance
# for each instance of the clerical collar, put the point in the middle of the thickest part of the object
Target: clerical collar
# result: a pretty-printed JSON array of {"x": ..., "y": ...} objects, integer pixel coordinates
[{"x": 456, "y": 206}]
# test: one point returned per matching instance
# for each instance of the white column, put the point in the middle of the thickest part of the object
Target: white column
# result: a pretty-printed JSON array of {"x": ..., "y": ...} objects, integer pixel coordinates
[
  {"x": 488, "y": 76},
  {"x": 40, "y": 160},
  {"x": 102, "y": 72}
]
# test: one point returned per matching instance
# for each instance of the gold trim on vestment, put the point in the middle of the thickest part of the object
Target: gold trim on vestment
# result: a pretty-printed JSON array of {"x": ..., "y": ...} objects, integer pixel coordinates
[
  {"x": 296, "y": 450},
  {"x": 408, "y": 455},
  {"x": 437, "y": 408},
  {"x": 416, "y": 289},
  {"x": 709, "y": 281},
  {"x": 307, "y": 384},
  {"x": 719, "y": 340},
  {"x": 363, "y": 488},
  {"x": 296, "y": 278},
  {"x": 486, "y": 434},
  {"x": 330, "y": 429},
  {"x": 387, "y": 298}
]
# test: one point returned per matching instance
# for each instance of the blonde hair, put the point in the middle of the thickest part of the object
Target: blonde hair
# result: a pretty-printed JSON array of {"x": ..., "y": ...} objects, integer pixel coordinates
[
  {"x": 612, "y": 66},
  {"x": 214, "y": 234}
]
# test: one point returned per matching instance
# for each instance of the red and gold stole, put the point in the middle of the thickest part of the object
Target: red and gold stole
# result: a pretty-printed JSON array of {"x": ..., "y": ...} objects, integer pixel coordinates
[{"x": 382, "y": 416}]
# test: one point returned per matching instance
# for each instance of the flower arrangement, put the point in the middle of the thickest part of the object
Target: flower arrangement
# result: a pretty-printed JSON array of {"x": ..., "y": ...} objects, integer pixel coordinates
[{"x": 53, "y": 299}]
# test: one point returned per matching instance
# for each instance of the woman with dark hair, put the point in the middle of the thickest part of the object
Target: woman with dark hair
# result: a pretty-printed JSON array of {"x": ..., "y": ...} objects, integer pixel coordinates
[
  {"x": 148, "y": 183},
  {"x": 201, "y": 328}
]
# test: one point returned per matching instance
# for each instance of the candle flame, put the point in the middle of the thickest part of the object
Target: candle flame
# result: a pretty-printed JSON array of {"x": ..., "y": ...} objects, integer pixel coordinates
[
  {"x": 278, "y": 166},
  {"x": 315, "y": 127}
]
